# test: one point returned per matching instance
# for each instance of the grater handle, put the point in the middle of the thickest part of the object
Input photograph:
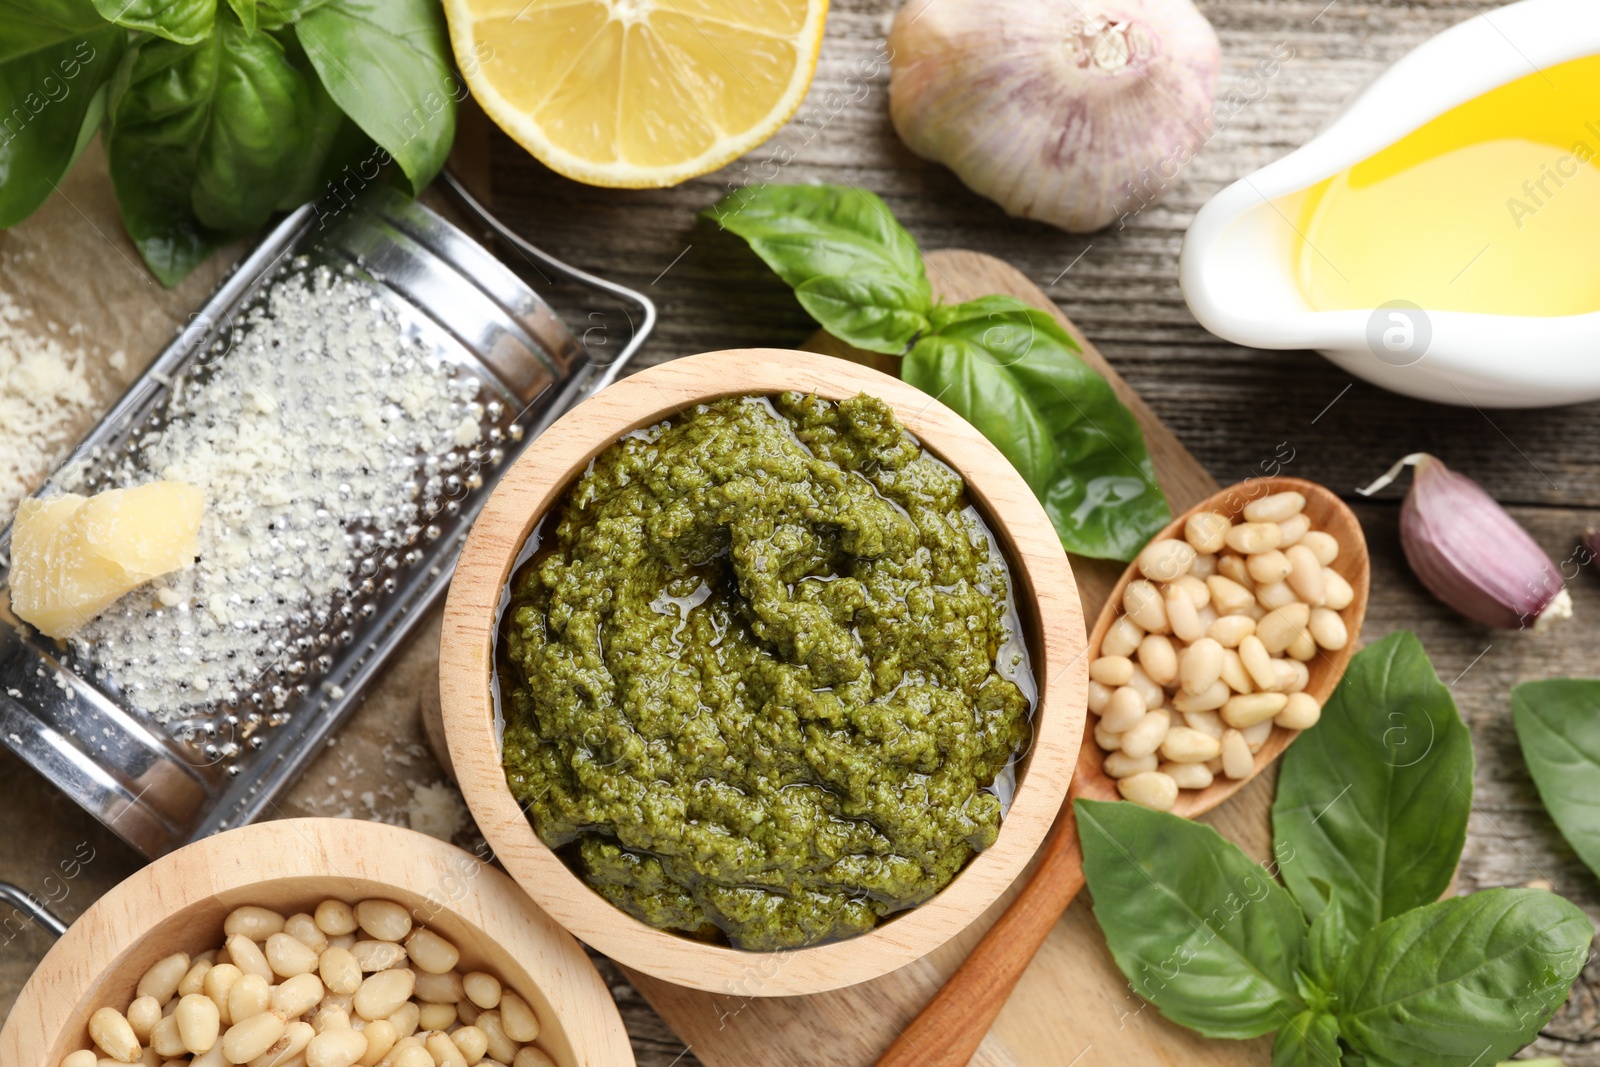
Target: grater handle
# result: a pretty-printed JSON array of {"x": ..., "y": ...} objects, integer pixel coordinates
[
  {"x": 24, "y": 902},
  {"x": 540, "y": 257}
]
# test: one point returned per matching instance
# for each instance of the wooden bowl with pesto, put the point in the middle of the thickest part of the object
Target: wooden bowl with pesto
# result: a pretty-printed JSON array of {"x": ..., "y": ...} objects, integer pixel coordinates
[{"x": 762, "y": 672}]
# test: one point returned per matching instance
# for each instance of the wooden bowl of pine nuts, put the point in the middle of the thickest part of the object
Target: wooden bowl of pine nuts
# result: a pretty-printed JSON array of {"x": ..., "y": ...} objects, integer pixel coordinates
[{"x": 316, "y": 943}]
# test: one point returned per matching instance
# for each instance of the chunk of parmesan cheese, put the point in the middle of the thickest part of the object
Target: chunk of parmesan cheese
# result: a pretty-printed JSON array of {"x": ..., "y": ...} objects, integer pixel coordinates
[{"x": 72, "y": 557}]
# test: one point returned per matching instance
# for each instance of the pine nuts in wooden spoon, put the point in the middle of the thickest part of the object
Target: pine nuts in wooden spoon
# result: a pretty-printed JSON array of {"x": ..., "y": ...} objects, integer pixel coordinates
[{"x": 1235, "y": 523}]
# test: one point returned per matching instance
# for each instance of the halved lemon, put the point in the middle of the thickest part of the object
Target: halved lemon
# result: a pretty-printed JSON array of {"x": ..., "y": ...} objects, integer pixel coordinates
[{"x": 637, "y": 93}]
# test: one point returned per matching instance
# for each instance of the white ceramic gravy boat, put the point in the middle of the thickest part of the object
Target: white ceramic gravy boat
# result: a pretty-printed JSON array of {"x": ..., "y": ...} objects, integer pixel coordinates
[{"x": 1237, "y": 267}]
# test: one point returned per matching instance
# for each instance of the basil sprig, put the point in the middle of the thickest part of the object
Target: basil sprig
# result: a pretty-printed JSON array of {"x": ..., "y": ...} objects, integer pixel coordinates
[
  {"x": 1351, "y": 959},
  {"x": 1006, "y": 367},
  {"x": 219, "y": 112}
]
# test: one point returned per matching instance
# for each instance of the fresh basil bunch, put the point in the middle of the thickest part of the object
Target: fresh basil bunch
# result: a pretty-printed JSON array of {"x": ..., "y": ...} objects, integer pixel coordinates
[
  {"x": 1352, "y": 959},
  {"x": 217, "y": 114},
  {"x": 1003, "y": 365}
]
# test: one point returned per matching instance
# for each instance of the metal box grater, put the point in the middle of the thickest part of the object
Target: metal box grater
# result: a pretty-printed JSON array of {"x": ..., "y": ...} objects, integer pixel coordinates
[{"x": 159, "y": 786}]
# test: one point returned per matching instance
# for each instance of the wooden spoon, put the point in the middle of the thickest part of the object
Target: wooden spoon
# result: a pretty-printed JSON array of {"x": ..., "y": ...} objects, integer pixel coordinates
[{"x": 952, "y": 1025}]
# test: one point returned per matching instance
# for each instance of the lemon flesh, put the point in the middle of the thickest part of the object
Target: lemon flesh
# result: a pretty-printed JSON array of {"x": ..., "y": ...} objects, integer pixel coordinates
[{"x": 637, "y": 93}]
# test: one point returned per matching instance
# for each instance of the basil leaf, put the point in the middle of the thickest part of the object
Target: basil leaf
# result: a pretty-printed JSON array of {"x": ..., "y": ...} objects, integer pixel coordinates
[
  {"x": 1374, "y": 799},
  {"x": 1199, "y": 929},
  {"x": 276, "y": 14},
  {"x": 1310, "y": 1040},
  {"x": 55, "y": 58},
  {"x": 387, "y": 65},
  {"x": 1558, "y": 726},
  {"x": 1327, "y": 945},
  {"x": 332, "y": 141},
  {"x": 1462, "y": 982},
  {"x": 1012, "y": 371},
  {"x": 203, "y": 141},
  {"x": 852, "y": 266},
  {"x": 183, "y": 21},
  {"x": 246, "y": 10}
]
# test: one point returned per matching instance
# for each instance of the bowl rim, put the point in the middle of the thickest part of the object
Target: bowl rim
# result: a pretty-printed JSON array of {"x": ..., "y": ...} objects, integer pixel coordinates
[
  {"x": 353, "y": 851},
  {"x": 1043, "y": 586}
]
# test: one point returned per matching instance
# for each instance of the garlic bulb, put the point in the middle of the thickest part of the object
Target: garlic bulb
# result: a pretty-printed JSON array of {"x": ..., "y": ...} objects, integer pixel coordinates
[
  {"x": 1073, "y": 112},
  {"x": 1470, "y": 553}
]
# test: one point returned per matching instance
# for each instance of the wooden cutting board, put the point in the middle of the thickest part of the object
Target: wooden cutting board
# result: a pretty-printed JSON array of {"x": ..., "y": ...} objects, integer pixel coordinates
[{"x": 1073, "y": 1007}]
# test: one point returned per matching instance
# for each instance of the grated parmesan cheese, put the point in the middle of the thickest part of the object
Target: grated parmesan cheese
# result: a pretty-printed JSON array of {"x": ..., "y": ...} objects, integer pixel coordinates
[
  {"x": 45, "y": 402},
  {"x": 437, "y": 810}
]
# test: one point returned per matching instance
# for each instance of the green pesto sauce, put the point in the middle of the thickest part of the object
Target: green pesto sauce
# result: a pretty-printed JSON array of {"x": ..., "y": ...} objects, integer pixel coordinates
[{"x": 762, "y": 673}]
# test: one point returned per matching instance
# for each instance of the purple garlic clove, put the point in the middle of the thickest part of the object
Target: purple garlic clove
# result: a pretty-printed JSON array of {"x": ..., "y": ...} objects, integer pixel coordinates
[{"x": 1471, "y": 554}]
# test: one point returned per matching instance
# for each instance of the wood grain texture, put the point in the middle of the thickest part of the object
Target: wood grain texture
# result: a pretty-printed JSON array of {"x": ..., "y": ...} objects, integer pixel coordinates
[
  {"x": 1046, "y": 599},
  {"x": 178, "y": 903}
]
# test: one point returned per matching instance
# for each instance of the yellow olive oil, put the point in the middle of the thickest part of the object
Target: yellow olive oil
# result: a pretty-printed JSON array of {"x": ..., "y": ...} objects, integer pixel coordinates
[{"x": 1492, "y": 207}]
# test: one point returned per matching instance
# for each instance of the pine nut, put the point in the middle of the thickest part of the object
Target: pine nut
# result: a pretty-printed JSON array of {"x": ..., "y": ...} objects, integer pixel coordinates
[
  {"x": 298, "y": 995},
  {"x": 382, "y": 994},
  {"x": 257, "y": 924},
  {"x": 143, "y": 1014},
  {"x": 436, "y": 1016},
  {"x": 246, "y": 1040},
  {"x": 383, "y": 919},
  {"x": 1305, "y": 574},
  {"x": 472, "y": 1042},
  {"x": 1141, "y": 739},
  {"x": 1237, "y": 761},
  {"x": 1268, "y": 567},
  {"x": 342, "y": 1001},
  {"x": 199, "y": 1022},
  {"x": 1207, "y": 722},
  {"x": 1229, "y": 630},
  {"x": 1242, "y": 711},
  {"x": 110, "y": 1029},
  {"x": 501, "y": 1047},
  {"x": 1275, "y": 595},
  {"x": 1099, "y": 696},
  {"x": 1122, "y": 637},
  {"x": 246, "y": 956},
  {"x": 444, "y": 1051},
  {"x": 1185, "y": 745},
  {"x": 219, "y": 983},
  {"x": 1204, "y": 566},
  {"x": 517, "y": 1019},
  {"x": 1301, "y": 712},
  {"x": 1108, "y": 741},
  {"x": 1126, "y": 708},
  {"x": 378, "y": 955},
  {"x": 1336, "y": 592},
  {"x": 195, "y": 979},
  {"x": 1152, "y": 789},
  {"x": 336, "y": 1048},
  {"x": 342, "y": 940},
  {"x": 1253, "y": 654},
  {"x": 288, "y": 957},
  {"x": 1206, "y": 531},
  {"x": 81, "y": 1058},
  {"x": 160, "y": 982},
  {"x": 1301, "y": 679},
  {"x": 1232, "y": 567},
  {"x": 413, "y": 1056},
  {"x": 1207, "y": 614},
  {"x": 434, "y": 954},
  {"x": 1228, "y": 596},
  {"x": 1279, "y": 628},
  {"x": 1303, "y": 647},
  {"x": 1189, "y": 775},
  {"x": 165, "y": 1040},
  {"x": 404, "y": 1021},
  {"x": 1275, "y": 508},
  {"x": 333, "y": 1017},
  {"x": 1107, "y": 670},
  {"x": 1286, "y": 674},
  {"x": 1158, "y": 659},
  {"x": 1142, "y": 602},
  {"x": 1248, "y": 538},
  {"x": 1256, "y": 736},
  {"x": 249, "y": 996},
  {"x": 380, "y": 1039},
  {"x": 1122, "y": 765},
  {"x": 335, "y": 917},
  {"x": 1327, "y": 629},
  {"x": 1294, "y": 528},
  {"x": 1234, "y": 674},
  {"x": 339, "y": 970},
  {"x": 1322, "y": 545},
  {"x": 1201, "y": 666},
  {"x": 1166, "y": 560},
  {"x": 303, "y": 928},
  {"x": 1146, "y": 688},
  {"x": 1182, "y": 616},
  {"x": 1196, "y": 590},
  {"x": 1214, "y": 696}
]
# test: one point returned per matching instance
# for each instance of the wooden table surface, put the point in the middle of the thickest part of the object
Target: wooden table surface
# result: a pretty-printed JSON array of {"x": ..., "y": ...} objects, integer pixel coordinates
[{"x": 1287, "y": 66}]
